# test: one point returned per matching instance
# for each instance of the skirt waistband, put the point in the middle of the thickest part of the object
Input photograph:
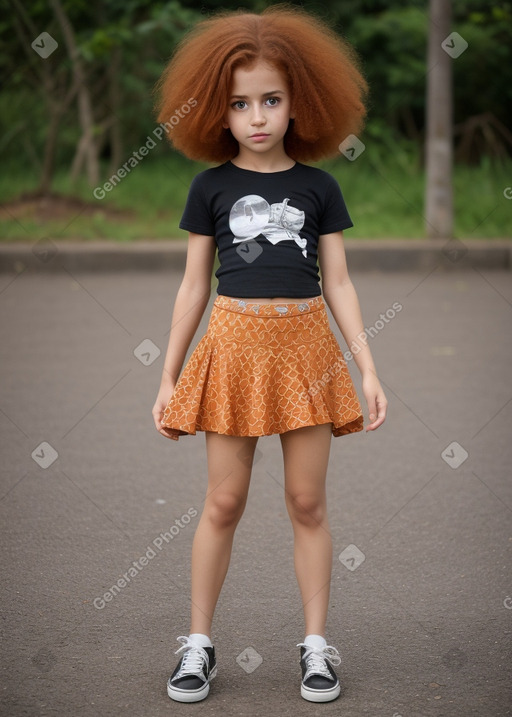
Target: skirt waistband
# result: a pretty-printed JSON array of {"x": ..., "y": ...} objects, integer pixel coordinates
[{"x": 253, "y": 308}]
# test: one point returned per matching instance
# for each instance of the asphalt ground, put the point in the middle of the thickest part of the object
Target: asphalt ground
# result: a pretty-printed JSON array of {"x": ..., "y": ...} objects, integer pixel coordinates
[{"x": 420, "y": 511}]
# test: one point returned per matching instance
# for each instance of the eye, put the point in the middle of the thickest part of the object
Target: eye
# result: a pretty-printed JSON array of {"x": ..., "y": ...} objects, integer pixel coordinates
[
  {"x": 239, "y": 105},
  {"x": 273, "y": 101}
]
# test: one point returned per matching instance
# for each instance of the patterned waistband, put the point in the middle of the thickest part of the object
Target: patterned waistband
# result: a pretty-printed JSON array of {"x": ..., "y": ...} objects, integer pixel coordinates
[{"x": 246, "y": 306}]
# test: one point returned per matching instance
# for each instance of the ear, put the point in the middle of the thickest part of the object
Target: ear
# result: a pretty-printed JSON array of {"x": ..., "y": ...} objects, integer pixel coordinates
[
  {"x": 225, "y": 125},
  {"x": 292, "y": 113}
]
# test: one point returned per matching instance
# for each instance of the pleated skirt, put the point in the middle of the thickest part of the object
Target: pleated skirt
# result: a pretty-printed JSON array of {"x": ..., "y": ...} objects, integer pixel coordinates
[{"x": 262, "y": 369}]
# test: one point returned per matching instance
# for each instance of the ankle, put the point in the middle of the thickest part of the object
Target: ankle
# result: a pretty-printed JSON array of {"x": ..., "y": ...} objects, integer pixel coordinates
[
  {"x": 315, "y": 640},
  {"x": 200, "y": 639}
]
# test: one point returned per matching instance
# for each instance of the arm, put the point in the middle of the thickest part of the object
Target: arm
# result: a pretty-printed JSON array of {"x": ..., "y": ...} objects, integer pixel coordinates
[
  {"x": 191, "y": 300},
  {"x": 341, "y": 298}
]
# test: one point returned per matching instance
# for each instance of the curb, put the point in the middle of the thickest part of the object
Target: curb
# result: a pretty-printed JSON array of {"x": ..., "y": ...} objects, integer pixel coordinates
[{"x": 170, "y": 255}]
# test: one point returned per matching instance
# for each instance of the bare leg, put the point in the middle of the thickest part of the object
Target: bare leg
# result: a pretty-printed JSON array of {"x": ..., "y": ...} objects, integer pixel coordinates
[
  {"x": 229, "y": 472},
  {"x": 306, "y": 457}
]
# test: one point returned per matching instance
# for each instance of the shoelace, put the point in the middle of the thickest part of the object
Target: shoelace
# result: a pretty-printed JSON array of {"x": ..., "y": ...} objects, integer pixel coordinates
[
  {"x": 194, "y": 658},
  {"x": 316, "y": 658}
]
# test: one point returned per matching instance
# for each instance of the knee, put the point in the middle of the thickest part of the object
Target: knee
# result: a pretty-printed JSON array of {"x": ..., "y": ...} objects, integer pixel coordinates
[
  {"x": 224, "y": 510},
  {"x": 306, "y": 509}
]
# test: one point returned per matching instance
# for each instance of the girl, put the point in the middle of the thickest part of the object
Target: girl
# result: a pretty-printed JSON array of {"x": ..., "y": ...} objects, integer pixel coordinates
[{"x": 257, "y": 94}]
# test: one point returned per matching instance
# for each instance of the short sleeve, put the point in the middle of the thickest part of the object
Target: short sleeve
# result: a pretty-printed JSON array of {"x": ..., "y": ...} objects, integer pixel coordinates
[
  {"x": 196, "y": 216},
  {"x": 335, "y": 217}
]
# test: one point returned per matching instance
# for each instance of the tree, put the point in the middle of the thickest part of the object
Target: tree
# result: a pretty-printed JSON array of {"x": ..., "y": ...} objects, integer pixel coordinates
[
  {"x": 439, "y": 118},
  {"x": 87, "y": 147},
  {"x": 47, "y": 87}
]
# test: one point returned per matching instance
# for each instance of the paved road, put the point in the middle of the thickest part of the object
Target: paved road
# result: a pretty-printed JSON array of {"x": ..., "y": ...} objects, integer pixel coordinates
[{"x": 421, "y": 602}]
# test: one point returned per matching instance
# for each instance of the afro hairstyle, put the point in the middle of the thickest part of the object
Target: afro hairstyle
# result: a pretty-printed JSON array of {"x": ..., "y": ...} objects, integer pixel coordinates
[{"x": 326, "y": 84}]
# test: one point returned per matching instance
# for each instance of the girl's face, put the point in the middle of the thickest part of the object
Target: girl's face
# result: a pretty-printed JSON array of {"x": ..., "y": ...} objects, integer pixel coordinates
[{"x": 259, "y": 110}]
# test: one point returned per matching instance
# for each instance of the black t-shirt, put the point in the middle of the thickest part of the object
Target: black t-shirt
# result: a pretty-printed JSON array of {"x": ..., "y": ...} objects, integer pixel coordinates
[{"x": 266, "y": 226}]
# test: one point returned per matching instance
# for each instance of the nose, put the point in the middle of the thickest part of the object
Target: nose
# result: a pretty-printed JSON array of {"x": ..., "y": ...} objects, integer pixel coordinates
[{"x": 257, "y": 116}]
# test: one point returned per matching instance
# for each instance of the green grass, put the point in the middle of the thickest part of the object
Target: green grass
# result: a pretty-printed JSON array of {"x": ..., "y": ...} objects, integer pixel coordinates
[{"x": 384, "y": 192}]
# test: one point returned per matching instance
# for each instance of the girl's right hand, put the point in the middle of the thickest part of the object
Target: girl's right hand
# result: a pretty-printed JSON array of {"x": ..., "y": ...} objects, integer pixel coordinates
[{"x": 164, "y": 395}]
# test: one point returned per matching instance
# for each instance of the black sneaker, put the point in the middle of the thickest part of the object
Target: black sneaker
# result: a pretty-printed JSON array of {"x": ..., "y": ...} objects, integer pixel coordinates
[
  {"x": 319, "y": 681},
  {"x": 190, "y": 681}
]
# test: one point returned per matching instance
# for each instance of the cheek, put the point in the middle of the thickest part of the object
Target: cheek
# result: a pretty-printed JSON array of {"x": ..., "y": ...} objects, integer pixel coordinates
[
  {"x": 229, "y": 120},
  {"x": 286, "y": 115}
]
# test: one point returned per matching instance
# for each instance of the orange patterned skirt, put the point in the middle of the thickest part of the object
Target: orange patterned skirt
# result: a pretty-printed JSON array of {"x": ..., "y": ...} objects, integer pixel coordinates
[{"x": 262, "y": 369}]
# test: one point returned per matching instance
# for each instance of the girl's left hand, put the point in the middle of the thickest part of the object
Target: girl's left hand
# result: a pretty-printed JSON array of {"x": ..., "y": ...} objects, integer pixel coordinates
[{"x": 376, "y": 400}]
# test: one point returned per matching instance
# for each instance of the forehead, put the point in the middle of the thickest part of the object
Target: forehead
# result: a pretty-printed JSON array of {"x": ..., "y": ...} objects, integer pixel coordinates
[{"x": 260, "y": 77}]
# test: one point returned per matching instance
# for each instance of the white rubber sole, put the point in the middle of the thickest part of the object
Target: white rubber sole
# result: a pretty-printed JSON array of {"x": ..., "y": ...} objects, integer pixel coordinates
[
  {"x": 320, "y": 695},
  {"x": 191, "y": 695}
]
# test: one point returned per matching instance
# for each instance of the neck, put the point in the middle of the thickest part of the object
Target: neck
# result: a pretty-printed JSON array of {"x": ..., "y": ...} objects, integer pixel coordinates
[{"x": 263, "y": 163}]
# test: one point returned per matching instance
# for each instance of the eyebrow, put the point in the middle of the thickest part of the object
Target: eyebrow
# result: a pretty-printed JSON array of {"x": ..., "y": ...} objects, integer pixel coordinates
[{"x": 265, "y": 94}]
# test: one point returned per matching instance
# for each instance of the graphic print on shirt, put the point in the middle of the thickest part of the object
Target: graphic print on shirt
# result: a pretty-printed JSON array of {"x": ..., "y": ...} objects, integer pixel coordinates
[{"x": 252, "y": 215}]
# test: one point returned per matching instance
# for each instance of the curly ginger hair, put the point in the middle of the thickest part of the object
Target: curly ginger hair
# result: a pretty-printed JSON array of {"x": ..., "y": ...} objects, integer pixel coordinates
[{"x": 322, "y": 70}]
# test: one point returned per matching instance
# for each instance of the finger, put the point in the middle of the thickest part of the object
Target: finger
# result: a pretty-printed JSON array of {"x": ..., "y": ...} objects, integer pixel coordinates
[
  {"x": 375, "y": 424},
  {"x": 165, "y": 432},
  {"x": 158, "y": 417},
  {"x": 377, "y": 420},
  {"x": 372, "y": 409}
]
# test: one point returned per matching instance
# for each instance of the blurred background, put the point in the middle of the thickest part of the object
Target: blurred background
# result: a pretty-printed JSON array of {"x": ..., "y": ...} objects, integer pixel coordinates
[{"x": 77, "y": 105}]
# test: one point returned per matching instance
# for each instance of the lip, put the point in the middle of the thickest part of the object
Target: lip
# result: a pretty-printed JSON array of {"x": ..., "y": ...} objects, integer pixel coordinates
[{"x": 259, "y": 135}]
